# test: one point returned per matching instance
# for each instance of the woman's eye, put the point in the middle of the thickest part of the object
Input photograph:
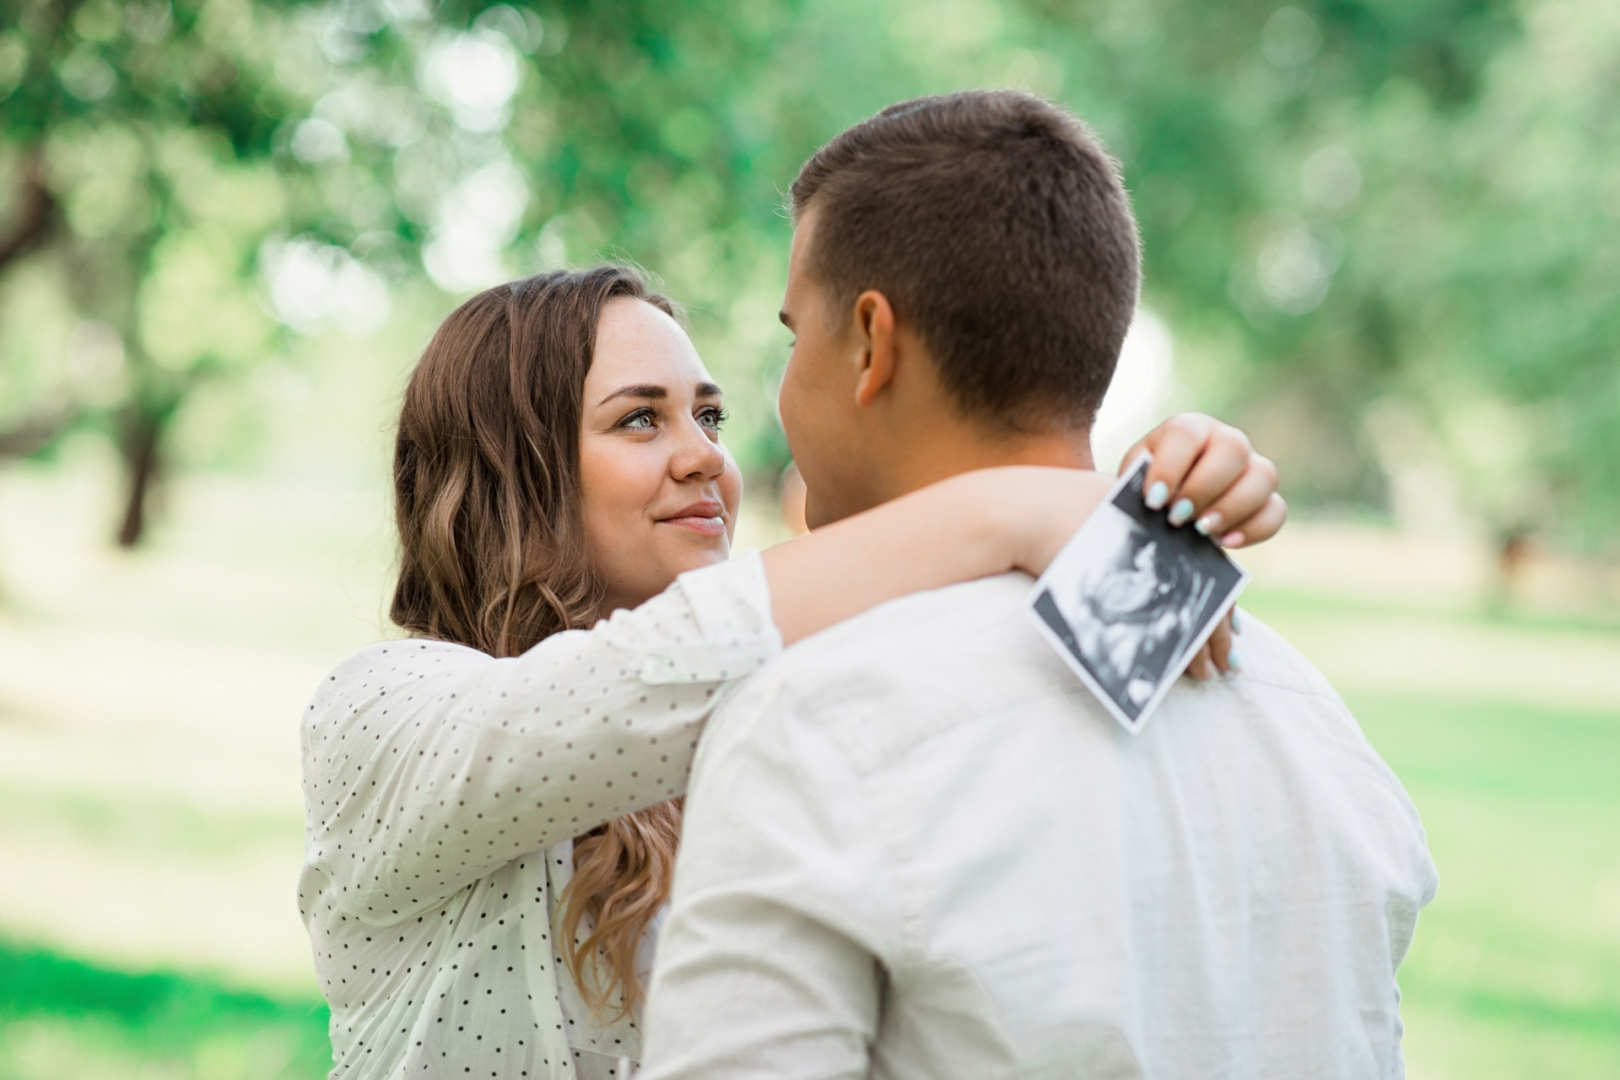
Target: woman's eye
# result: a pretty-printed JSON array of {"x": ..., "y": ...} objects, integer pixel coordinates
[
  {"x": 641, "y": 419},
  {"x": 712, "y": 418}
]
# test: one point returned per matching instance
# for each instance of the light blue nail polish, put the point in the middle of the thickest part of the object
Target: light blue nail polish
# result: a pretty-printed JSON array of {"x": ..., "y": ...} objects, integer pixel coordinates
[
  {"x": 1157, "y": 495},
  {"x": 1233, "y": 662},
  {"x": 1180, "y": 512},
  {"x": 1237, "y": 625}
]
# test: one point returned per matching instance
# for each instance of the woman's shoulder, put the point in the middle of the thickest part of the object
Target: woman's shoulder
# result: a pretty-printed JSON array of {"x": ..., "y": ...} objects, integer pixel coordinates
[
  {"x": 383, "y": 665},
  {"x": 404, "y": 654}
]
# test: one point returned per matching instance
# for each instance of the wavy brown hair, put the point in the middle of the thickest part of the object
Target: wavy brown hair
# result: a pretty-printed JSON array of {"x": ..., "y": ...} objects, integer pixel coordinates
[{"x": 493, "y": 555}]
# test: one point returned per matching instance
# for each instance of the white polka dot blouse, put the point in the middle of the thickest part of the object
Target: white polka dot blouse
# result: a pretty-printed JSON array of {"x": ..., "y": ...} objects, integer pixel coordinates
[{"x": 442, "y": 791}]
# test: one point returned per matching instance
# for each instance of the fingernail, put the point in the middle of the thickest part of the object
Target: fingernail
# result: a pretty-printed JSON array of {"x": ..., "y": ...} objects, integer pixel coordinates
[
  {"x": 1180, "y": 512},
  {"x": 1208, "y": 523},
  {"x": 1158, "y": 493},
  {"x": 1233, "y": 539},
  {"x": 1233, "y": 662},
  {"x": 1237, "y": 623}
]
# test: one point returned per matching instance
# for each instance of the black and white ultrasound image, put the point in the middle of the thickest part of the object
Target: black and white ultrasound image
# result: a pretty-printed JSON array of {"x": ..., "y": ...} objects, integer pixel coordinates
[{"x": 1131, "y": 598}]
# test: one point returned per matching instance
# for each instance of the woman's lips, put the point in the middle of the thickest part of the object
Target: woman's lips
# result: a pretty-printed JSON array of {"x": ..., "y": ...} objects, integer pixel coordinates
[
  {"x": 703, "y": 518},
  {"x": 705, "y": 526}
]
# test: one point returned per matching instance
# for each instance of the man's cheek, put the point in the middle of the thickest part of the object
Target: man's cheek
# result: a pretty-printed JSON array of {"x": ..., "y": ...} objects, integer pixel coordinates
[{"x": 787, "y": 404}]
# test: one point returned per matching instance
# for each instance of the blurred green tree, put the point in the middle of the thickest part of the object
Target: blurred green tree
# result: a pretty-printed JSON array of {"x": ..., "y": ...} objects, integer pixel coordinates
[
  {"x": 1385, "y": 232},
  {"x": 136, "y": 144},
  {"x": 1382, "y": 232}
]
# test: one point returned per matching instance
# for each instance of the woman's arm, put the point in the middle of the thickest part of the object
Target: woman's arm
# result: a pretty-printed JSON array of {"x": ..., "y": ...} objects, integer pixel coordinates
[
  {"x": 970, "y": 526},
  {"x": 428, "y": 765},
  {"x": 1018, "y": 517}
]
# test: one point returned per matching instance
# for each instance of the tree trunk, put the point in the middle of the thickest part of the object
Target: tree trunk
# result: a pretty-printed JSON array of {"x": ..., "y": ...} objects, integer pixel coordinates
[
  {"x": 34, "y": 433},
  {"x": 1513, "y": 551},
  {"x": 36, "y": 215},
  {"x": 142, "y": 463}
]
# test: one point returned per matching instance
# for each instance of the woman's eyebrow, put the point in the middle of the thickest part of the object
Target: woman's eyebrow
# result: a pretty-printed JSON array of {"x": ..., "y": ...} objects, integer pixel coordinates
[
  {"x": 643, "y": 390},
  {"x": 658, "y": 393}
]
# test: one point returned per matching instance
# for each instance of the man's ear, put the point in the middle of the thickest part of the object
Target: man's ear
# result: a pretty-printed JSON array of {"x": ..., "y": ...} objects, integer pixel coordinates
[{"x": 874, "y": 329}]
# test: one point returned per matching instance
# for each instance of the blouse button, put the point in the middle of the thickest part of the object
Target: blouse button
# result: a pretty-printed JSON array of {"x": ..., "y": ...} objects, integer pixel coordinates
[{"x": 657, "y": 667}]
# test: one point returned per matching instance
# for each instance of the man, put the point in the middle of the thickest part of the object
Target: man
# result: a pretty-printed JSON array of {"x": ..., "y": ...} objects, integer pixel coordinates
[{"x": 914, "y": 845}]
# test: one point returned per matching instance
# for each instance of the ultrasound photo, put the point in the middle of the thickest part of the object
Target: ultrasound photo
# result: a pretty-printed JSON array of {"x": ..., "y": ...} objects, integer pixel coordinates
[{"x": 1130, "y": 599}]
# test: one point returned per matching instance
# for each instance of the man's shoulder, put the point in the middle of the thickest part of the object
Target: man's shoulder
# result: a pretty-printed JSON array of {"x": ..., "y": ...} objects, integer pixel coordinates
[
  {"x": 883, "y": 683},
  {"x": 1269, "y": 660},
  {"x": 917, "y": 646},
  {"x": 933, "y": 618},
  {"x": 978, "y": 632},
  {"x": 916, "y": 662}
]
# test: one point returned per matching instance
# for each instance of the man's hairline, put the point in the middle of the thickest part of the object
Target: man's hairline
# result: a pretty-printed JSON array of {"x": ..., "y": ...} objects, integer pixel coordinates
[
  {"x": 837, "y": 314},
  {"x": 999, "y": 427}
]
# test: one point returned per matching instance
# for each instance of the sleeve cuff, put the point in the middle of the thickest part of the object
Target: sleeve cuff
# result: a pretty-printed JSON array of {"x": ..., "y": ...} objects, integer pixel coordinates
[{"x": 731, "y": 605}]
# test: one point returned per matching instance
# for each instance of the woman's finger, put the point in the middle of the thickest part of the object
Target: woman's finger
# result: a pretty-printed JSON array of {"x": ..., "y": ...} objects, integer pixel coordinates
[
  {"x": 1226, "y": 456},
  {"x": 1243, "y": 497},
  {"x": 1201, "y": 667},
  {"x": 1220, "y": 645},
  {"x": 1262, "y": 526},
  {"x": 1175, "y": 446}
]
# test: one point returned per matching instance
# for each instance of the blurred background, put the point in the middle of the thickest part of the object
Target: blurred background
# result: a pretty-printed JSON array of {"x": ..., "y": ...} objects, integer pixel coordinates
[{"x": 1382, "y": 235}]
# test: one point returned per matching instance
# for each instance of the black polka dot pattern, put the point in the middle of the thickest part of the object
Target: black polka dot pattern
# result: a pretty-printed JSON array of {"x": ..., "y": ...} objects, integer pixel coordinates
[{"x": 442, "y": 790}]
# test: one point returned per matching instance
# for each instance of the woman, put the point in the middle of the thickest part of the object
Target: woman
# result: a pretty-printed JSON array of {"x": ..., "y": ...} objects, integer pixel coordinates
[{"x": 502, "y": 776}]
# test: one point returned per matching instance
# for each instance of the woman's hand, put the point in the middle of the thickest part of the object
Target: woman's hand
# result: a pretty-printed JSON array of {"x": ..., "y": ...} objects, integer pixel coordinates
[
  {"x": 1207, "y": 473},
  {"x": 1213, "y": 477},
  {"x": 1204, "y": 471}
]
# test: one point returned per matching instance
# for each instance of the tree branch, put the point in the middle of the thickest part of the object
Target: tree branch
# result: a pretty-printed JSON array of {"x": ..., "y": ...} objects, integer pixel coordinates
[
  {"x": 34, "y": 432},
  {"x": 37, "y": 217}
]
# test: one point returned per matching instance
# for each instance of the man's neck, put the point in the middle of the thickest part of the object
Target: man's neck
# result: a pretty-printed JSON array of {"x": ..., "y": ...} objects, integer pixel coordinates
[{"x": 1067, "y": 449}]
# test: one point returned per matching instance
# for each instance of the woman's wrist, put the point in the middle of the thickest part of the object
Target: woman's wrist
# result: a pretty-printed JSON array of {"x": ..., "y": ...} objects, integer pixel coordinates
[
  {"x": 994, "y": 509},
  {"x": 1041, "y": 507},
  {"x": 1024, "y": 509},
  {"x": 1023, "y": 514}
]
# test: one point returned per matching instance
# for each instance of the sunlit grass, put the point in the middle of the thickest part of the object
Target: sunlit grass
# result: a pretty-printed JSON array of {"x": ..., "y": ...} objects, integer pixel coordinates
[
  {"x": 1515, "y": 970},
  {"x": 62, "y": 1019},
  {"x": 150, "y": 814}
]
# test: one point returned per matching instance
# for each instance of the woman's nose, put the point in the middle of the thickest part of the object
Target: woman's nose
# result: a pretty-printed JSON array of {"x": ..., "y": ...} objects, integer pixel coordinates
[{"x": 699, "y": 457}]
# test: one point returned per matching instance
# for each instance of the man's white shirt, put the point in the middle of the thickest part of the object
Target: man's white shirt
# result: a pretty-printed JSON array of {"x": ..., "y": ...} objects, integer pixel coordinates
[{"x": 916, "y": 847}]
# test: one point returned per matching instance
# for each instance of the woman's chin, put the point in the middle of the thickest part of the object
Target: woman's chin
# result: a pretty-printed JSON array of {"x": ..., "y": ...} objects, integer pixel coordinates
[{"x": 694, "y": 551}]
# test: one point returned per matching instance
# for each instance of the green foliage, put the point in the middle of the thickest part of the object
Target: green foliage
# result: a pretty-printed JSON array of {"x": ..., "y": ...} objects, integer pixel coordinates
[{"x": 1384, "y": 233}]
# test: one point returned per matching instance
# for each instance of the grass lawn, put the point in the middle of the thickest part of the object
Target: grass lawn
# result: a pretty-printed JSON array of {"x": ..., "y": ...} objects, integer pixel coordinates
[
  {"x": 1515, "y": 970},
  {"x": 62, "y": 1019},
  {"x": 150, "y": 821}
]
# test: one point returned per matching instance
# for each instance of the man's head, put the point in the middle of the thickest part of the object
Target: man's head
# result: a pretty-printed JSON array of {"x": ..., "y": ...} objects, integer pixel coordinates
[{"x": 964, "y": 271}]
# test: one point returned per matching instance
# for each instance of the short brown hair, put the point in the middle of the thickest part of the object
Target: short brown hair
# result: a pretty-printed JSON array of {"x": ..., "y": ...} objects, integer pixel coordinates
[{"x": 997, "y": 224}]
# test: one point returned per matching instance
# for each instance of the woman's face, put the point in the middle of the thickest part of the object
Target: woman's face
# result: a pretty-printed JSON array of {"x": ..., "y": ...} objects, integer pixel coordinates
[{"x": 660, "y": 490}]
